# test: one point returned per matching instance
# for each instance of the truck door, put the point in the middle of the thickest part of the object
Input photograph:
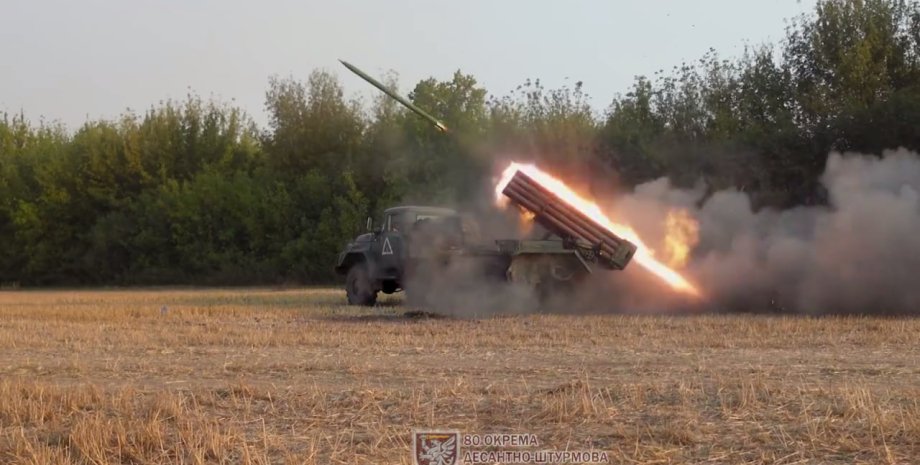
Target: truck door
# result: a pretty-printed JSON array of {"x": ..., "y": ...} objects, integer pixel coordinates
[{"x": 390, "y": 247}]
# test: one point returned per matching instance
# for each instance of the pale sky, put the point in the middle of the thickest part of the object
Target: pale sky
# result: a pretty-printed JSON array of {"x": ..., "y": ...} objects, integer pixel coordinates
[{"x": 72, "y": 60}]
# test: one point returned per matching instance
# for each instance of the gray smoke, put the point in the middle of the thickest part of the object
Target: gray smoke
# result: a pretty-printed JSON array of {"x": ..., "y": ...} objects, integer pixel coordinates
[
  {"x": 859, "y": 254},
  {"x": 468, "y": 289},
  {"x": 474, "y": 286}
]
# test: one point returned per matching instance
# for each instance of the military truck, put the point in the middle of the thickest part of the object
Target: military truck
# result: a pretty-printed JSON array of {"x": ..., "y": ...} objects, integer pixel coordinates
[{"x": 414, "y": 245}]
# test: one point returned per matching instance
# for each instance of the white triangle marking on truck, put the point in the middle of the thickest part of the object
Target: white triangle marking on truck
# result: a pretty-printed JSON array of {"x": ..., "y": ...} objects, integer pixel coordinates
[{"x": 387, "y": 250}]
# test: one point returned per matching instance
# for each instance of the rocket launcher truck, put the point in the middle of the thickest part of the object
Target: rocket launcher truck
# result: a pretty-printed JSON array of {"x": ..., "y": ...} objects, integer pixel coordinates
[{"x": 418, "y": 249}]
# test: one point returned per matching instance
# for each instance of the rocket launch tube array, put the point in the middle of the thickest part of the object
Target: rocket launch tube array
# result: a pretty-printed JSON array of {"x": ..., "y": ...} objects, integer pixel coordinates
[{"x": 555, "y": 215}]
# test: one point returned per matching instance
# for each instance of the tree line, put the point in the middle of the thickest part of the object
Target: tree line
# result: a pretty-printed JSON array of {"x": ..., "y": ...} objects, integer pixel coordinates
[{"x": 195, "y": 192}]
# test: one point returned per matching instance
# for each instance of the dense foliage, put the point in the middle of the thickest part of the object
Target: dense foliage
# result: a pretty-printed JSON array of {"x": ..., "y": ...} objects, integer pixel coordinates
[{"x": 195, "y": 192}]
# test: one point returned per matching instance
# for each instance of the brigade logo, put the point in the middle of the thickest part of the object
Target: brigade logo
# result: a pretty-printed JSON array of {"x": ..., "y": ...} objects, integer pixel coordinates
[
  {"x": 387, "y": 248},
  {"x": 435, "y": 447}
]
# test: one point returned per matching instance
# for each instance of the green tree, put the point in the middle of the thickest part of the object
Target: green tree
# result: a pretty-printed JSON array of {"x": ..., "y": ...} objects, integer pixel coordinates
[
  {"x": 312, "y": 126},
  {"x": 433, "y": 166},
  {"x": 557, "y": 124}
]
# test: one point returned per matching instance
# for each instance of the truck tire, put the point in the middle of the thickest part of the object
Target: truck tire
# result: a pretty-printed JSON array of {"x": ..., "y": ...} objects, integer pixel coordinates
[{"x": 358, "y": 287}]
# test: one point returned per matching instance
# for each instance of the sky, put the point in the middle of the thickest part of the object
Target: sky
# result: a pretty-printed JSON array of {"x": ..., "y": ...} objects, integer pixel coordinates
[{"x": 69, "y": 61}]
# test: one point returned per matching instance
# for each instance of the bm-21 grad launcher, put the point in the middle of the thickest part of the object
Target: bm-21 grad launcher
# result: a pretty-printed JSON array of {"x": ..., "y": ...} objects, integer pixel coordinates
[
  {"x": 577, "y": 230},
  {"x": 414, "y": 243}
]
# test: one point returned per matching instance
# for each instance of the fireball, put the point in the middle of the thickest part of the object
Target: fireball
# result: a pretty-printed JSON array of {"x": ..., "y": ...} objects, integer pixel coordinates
[
  {"x": 682, "y": 234},
  {"x": 643, "y": 255}
]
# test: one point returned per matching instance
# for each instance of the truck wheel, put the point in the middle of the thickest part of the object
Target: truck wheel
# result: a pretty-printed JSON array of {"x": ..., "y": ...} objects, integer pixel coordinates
[{"x": 358, "y": 287}]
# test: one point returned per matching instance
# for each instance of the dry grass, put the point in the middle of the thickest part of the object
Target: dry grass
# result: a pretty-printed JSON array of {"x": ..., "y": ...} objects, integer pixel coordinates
[{"x": 260, "y": 376}]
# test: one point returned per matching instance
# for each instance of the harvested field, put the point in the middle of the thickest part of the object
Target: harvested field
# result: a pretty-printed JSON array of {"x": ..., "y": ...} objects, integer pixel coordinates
[{"x": 258, "y": 376}]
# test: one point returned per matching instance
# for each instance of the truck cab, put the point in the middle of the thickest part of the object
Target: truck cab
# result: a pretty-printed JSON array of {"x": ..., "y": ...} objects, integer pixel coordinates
[{"x": 378, "y": 260}]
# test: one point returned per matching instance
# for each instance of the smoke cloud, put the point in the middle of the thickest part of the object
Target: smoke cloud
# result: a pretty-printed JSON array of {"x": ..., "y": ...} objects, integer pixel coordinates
[{"x": 858, "y": 254}]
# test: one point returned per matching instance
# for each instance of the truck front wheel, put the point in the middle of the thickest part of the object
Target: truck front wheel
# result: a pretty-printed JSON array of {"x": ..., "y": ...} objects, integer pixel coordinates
[{"x": 358, "y": 287}]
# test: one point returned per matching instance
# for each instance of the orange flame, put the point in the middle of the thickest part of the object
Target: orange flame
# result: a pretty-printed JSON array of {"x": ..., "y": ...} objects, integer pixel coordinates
[
  {"x": 526, "y": 219},
  {"x": 643, "y": 254},
  {"x": 683, "y": 232}
]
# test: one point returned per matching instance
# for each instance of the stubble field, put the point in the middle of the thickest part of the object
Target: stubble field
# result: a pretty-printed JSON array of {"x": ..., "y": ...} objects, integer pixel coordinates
[{"x": 258, "y": 376}]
